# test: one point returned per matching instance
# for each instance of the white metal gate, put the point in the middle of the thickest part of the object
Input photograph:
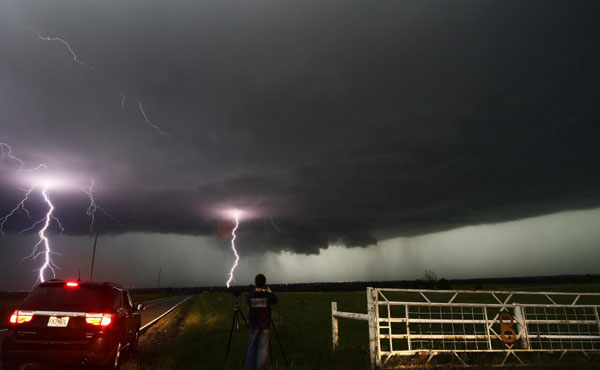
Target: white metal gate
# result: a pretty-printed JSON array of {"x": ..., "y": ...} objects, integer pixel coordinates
[{"x": 406, "y": 322}]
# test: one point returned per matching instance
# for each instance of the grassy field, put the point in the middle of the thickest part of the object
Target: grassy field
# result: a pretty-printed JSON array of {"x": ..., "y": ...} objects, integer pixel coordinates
[
  {"x": 195, "y": 337},
  {"x": 303, "y": 322}
]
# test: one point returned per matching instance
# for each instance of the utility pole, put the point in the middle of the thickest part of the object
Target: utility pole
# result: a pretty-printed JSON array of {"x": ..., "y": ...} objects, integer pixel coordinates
[
  {"x": 159, "y": 271},
  {"x": 93, "y": 258}
]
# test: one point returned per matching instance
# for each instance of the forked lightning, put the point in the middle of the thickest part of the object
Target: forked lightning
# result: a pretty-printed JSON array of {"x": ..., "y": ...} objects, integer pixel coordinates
[
  {"x": 77, "y": 60},
  {"x": 236, "y": 216}
]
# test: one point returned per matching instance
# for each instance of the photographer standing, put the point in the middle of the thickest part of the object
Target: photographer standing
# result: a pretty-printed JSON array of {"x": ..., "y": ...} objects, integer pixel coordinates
[{"x": 259, "y": 303}]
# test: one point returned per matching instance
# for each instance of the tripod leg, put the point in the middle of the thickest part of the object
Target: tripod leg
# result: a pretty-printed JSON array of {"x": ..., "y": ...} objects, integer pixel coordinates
[
  {"x": 244, "y": 318},
  {"x": 279, "y": 342},
  {"x": 233, "y": 320}
]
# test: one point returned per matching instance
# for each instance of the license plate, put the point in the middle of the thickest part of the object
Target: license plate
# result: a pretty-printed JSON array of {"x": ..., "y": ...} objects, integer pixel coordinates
[{"x": 58, "y": 322}]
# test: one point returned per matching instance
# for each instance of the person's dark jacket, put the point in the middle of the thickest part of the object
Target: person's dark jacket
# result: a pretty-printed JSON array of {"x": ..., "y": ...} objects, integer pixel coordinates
[{"x": 259, "y": 303}]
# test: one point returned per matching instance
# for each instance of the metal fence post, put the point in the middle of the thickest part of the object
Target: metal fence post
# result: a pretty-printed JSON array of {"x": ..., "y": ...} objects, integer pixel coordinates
[
  {"x": 372, "y": 327},
  {"x": 521, "y": 326},
  {"x": 597, "y": 317},
  {"x": 334, "y": 325}
]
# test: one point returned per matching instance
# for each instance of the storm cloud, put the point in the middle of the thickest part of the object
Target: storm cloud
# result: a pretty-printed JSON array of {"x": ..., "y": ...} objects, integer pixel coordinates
[{"x": 332, "y": 122}]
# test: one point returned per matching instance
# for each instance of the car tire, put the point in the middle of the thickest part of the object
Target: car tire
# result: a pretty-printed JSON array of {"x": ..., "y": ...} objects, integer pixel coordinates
[
  {"x": 115, "y": 359},
  {"x": 11, "y": 365},
  {"x": 134, "y": 343}
]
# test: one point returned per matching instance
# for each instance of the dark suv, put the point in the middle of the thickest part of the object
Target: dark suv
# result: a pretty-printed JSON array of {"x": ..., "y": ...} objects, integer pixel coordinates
[{"x": 72, "y": 322}]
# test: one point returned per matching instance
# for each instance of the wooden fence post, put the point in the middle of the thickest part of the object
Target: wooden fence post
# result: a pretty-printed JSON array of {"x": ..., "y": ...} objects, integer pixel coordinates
[{"x": 334, "y": 325}]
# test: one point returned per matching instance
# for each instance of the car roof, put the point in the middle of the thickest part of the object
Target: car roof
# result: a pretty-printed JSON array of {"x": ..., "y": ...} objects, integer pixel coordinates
[{"x": 55, "y": 282}]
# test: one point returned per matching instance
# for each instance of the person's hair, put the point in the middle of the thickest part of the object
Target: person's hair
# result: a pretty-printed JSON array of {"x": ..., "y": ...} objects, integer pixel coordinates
[{"x": 260, "y": 281}]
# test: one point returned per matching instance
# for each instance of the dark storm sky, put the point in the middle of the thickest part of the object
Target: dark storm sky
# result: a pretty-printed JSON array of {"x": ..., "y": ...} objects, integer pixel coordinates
[{"x": 347, "y": 122}]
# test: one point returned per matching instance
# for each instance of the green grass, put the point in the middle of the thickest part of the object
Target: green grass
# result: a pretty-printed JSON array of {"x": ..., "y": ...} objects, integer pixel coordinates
[
  {"x": 156, "y": 346},
  {"x": 303, "y": 322}
]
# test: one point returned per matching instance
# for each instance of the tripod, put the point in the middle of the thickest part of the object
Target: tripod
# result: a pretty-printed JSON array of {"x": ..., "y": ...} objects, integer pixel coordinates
[
  {"x": 279, "y": 342},
  {"x": 235, "y": 321}
]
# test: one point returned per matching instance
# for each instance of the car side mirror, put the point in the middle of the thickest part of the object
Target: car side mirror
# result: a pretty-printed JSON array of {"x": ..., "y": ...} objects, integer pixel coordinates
[{"x": 139, "y": 307}]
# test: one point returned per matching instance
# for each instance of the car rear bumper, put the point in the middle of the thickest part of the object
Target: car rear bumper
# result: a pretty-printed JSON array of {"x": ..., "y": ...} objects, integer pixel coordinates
[
  {"x": 55, "y": 357},
  {"x": 96, "y": 352}
]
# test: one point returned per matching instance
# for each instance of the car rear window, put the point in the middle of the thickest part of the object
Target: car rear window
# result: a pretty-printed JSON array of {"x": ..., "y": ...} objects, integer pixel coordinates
[{"x": 79, "y": 299}]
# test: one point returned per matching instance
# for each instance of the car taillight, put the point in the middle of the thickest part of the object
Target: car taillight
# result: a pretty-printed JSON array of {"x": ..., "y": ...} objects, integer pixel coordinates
[
  {"x": 98, "y": 319},
  {"x": 20, "y": 317},
  {"x": 72, "y": 284}
]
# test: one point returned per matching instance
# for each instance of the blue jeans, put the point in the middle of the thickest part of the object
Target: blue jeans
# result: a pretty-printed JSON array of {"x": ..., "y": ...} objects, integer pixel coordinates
[{"x": 258, "y": 348}]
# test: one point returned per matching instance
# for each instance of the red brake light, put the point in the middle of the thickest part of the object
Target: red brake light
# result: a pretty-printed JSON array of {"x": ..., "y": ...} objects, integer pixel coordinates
[
  {"x": 98, "y": 319},
  {"x": 20, "y": 317},
  {"x": 72, "y": 284},
  {"x": 106, "y": 320}
]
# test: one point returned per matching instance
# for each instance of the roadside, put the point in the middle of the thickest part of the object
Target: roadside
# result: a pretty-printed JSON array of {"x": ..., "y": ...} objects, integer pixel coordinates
[
  {"x": 193, "y": 336},
  {"x": 155, "y": 346}
]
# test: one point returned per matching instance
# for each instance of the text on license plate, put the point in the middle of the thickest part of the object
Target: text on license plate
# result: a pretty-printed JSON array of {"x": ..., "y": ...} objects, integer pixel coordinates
[{"x": 60, "y": 322}]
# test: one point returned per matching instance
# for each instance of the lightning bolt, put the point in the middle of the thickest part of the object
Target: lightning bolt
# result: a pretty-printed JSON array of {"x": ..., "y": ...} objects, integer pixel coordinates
[
  {"x": 42, "y": 246},
  {"x": 94, "y": 207},
  {"x": 20, "y": 206},
  {"x": 6, "y": 151},
  {"x": 278, "y": 229},
  {"x": 47, "y": 251},
  {"x": 77, "y": 60},
  {"x": 43, "y": 239},
  {"x": 275, "y": 226},
  {"x": 58, "y": 223},
  {"x": 150, "y": 123},
  {"x": 237, "y": 257}
]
